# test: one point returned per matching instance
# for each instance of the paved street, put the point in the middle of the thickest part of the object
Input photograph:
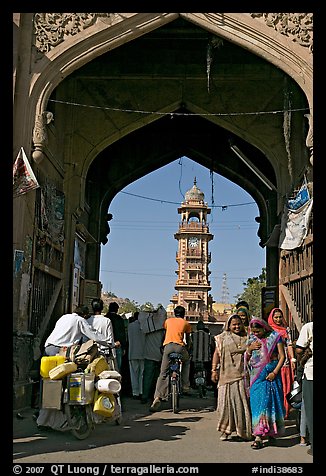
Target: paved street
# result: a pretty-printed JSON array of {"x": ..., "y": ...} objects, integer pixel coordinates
[{"x": 163, "y": 437}]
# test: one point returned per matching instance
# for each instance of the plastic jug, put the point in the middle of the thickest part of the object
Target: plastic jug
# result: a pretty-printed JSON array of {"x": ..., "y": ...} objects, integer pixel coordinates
[
  {"x": 108, "y": 385},
  {"x": 104, "y": 404},
  {"x": 49, "y": 362}
]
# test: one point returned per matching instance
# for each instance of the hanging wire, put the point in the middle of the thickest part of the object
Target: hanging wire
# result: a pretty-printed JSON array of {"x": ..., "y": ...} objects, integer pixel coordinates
[
  {"x": 223, "y": 207},
  {"x": 180, "y": 178},
  {"x": 158, "y": 113},
  {"x": 211, "y": 173}
]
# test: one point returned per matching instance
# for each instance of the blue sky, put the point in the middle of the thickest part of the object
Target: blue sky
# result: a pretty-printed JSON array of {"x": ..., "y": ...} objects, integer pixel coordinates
[{"x": 138, "y": 262}]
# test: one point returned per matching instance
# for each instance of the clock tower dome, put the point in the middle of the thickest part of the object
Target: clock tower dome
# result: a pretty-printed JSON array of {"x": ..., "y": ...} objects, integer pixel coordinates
[{"x": 193, "y": 258}]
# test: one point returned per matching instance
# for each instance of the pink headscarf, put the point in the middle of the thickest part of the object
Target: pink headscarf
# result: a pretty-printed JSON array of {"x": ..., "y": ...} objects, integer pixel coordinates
[
  {"x": 280, "y": 329},
  {"x": 259, "y": 359}
]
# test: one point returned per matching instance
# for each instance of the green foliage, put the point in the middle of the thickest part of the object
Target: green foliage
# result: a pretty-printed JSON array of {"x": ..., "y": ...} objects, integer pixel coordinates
[
  {"x": 148, "y": 306},
  {"x": 128, "y": 306},
  {"x": 111, "y": 295},
  {"x": 252, "y": 293}
]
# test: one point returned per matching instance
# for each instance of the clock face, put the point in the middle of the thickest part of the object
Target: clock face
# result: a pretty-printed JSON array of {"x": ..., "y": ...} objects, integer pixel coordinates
[{"x": 193, "y": 241}]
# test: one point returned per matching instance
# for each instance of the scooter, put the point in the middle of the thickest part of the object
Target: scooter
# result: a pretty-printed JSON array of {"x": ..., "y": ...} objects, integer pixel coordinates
[
  {"x": 76, "y": 401},
  {"x": 66, "y": 406}
]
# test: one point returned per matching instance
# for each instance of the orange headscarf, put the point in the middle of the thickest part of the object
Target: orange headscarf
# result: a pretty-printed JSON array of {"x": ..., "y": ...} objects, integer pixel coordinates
[{"x": 280, "y": 329}]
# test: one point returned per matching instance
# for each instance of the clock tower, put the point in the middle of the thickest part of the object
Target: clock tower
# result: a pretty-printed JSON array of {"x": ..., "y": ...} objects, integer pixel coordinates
[{"x": 193, "y": 258}]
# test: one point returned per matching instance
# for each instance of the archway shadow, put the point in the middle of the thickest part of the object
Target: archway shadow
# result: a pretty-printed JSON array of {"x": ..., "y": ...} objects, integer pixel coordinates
[{"x": 138, "y": 425}]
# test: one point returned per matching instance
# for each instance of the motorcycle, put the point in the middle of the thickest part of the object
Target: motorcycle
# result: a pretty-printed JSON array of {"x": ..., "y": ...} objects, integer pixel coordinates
[
  {"x": 75, "y": 399},
  {"x": 77, "y": 405},
  {"x": 200, "y": 378},
  {"x": 64, "y": 406}
]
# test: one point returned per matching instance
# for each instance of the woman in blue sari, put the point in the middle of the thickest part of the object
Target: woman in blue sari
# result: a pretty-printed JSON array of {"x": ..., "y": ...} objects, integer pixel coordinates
[{"x": 264, "y": 359}]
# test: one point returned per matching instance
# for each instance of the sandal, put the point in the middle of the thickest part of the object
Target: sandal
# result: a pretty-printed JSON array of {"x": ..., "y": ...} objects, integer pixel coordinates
[
  {"x": 272, "y": 441},
  {"x": 257, "y": 445}
]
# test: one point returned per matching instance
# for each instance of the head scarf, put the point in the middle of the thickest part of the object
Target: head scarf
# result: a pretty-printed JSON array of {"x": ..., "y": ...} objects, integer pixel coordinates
[
  {"x": 261, "y": 322},
  {"x": 259, "y": 359},
  {"x": 245, "y": 311},
  {"x": 280, "y": 329},
  {"x": 228, "y": 322},
  {"x": 231, "y": 348}
]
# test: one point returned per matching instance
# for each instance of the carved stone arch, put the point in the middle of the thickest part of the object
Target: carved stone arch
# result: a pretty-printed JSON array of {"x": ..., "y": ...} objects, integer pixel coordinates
[
  {"x": 241, "y": 28},
  {"x": 74, "y": 52},
  {"x": 255, "y": 35},
  {"x": 194, "y": 215},
  {"x": 288, "y": 46}
]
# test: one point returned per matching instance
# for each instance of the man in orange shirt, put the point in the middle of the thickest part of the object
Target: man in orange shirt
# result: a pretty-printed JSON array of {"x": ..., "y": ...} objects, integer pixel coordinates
[{"x": 177, "y": 328}]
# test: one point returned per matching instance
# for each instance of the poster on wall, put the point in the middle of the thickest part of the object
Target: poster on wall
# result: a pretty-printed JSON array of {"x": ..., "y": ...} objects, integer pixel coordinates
[
  {"x": 18, "y": 261},
  {"x": 92, "y": 290}
]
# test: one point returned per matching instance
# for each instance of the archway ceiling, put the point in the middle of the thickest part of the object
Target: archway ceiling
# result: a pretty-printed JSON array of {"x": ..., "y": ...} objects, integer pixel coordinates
[
  {"x": 166, "y": 71},
  {"x": 167, "y": 139}
]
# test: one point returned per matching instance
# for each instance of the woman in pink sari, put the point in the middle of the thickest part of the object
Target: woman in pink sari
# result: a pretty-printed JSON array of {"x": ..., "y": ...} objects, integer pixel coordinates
[
  {"x": 264, "y": 358},
  {"x": 277, "y": 323}
]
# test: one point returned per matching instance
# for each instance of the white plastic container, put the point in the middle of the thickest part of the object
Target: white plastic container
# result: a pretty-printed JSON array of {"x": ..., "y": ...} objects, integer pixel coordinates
[
  {"x": 110, "y": 374},
  {"x": 108, "y": 385}
]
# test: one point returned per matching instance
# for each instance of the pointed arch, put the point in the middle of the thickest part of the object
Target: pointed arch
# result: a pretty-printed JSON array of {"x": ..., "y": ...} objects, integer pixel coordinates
[{"x": 242, "y": 29}]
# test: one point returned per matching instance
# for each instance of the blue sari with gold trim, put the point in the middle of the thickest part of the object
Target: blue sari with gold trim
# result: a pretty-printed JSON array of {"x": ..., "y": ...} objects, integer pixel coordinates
[{"x": 266, "y": 398}]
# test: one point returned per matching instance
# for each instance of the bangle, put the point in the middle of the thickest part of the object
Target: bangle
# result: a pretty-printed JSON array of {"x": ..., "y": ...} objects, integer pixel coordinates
[
  {"x": 274, "y": 373},
  {"x": 293, "y": 359},
  {"x": 216, "y": 368}
]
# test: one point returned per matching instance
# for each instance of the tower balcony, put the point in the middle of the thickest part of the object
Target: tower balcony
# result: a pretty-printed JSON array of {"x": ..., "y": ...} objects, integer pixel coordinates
[
  {"x": 192, "y": 266},
  {"x": 193, "y": 297},
  {"x": 193, "y": 227},
  {"x": 191, "y": 253},
  {"x": 197, "y": 254},
  {"x": 199, "y": 283}
]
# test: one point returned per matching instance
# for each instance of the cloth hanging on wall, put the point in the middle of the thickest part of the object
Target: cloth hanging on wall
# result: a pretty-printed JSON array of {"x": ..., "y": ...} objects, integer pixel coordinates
[
  {"x": 300, "y": 199},
  {"x": 294, "y": 226},
  {"x": 24, "y": 179}
]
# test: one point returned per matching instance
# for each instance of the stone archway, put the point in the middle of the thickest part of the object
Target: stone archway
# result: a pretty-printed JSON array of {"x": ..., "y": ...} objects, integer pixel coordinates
[
  {"x": 289, "y": 48},
  {"x": 71, "y": 147}
]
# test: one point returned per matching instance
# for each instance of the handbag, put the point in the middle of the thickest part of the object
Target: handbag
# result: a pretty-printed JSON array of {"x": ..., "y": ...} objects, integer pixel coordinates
[
  {"x": 306, "y": 354},
  {"x": 294, "y": 397}
]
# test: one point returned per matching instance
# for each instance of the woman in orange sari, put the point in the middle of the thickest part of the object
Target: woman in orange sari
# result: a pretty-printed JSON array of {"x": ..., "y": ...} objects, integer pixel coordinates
[{"x": 277, "y": 322}]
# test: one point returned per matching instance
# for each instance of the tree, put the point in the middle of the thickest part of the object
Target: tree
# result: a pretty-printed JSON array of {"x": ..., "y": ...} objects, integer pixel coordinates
[
  {"x": 252, "y": 293},
  {"x": 148, "y": 306},
  {"x": 128, "y": 306}
]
